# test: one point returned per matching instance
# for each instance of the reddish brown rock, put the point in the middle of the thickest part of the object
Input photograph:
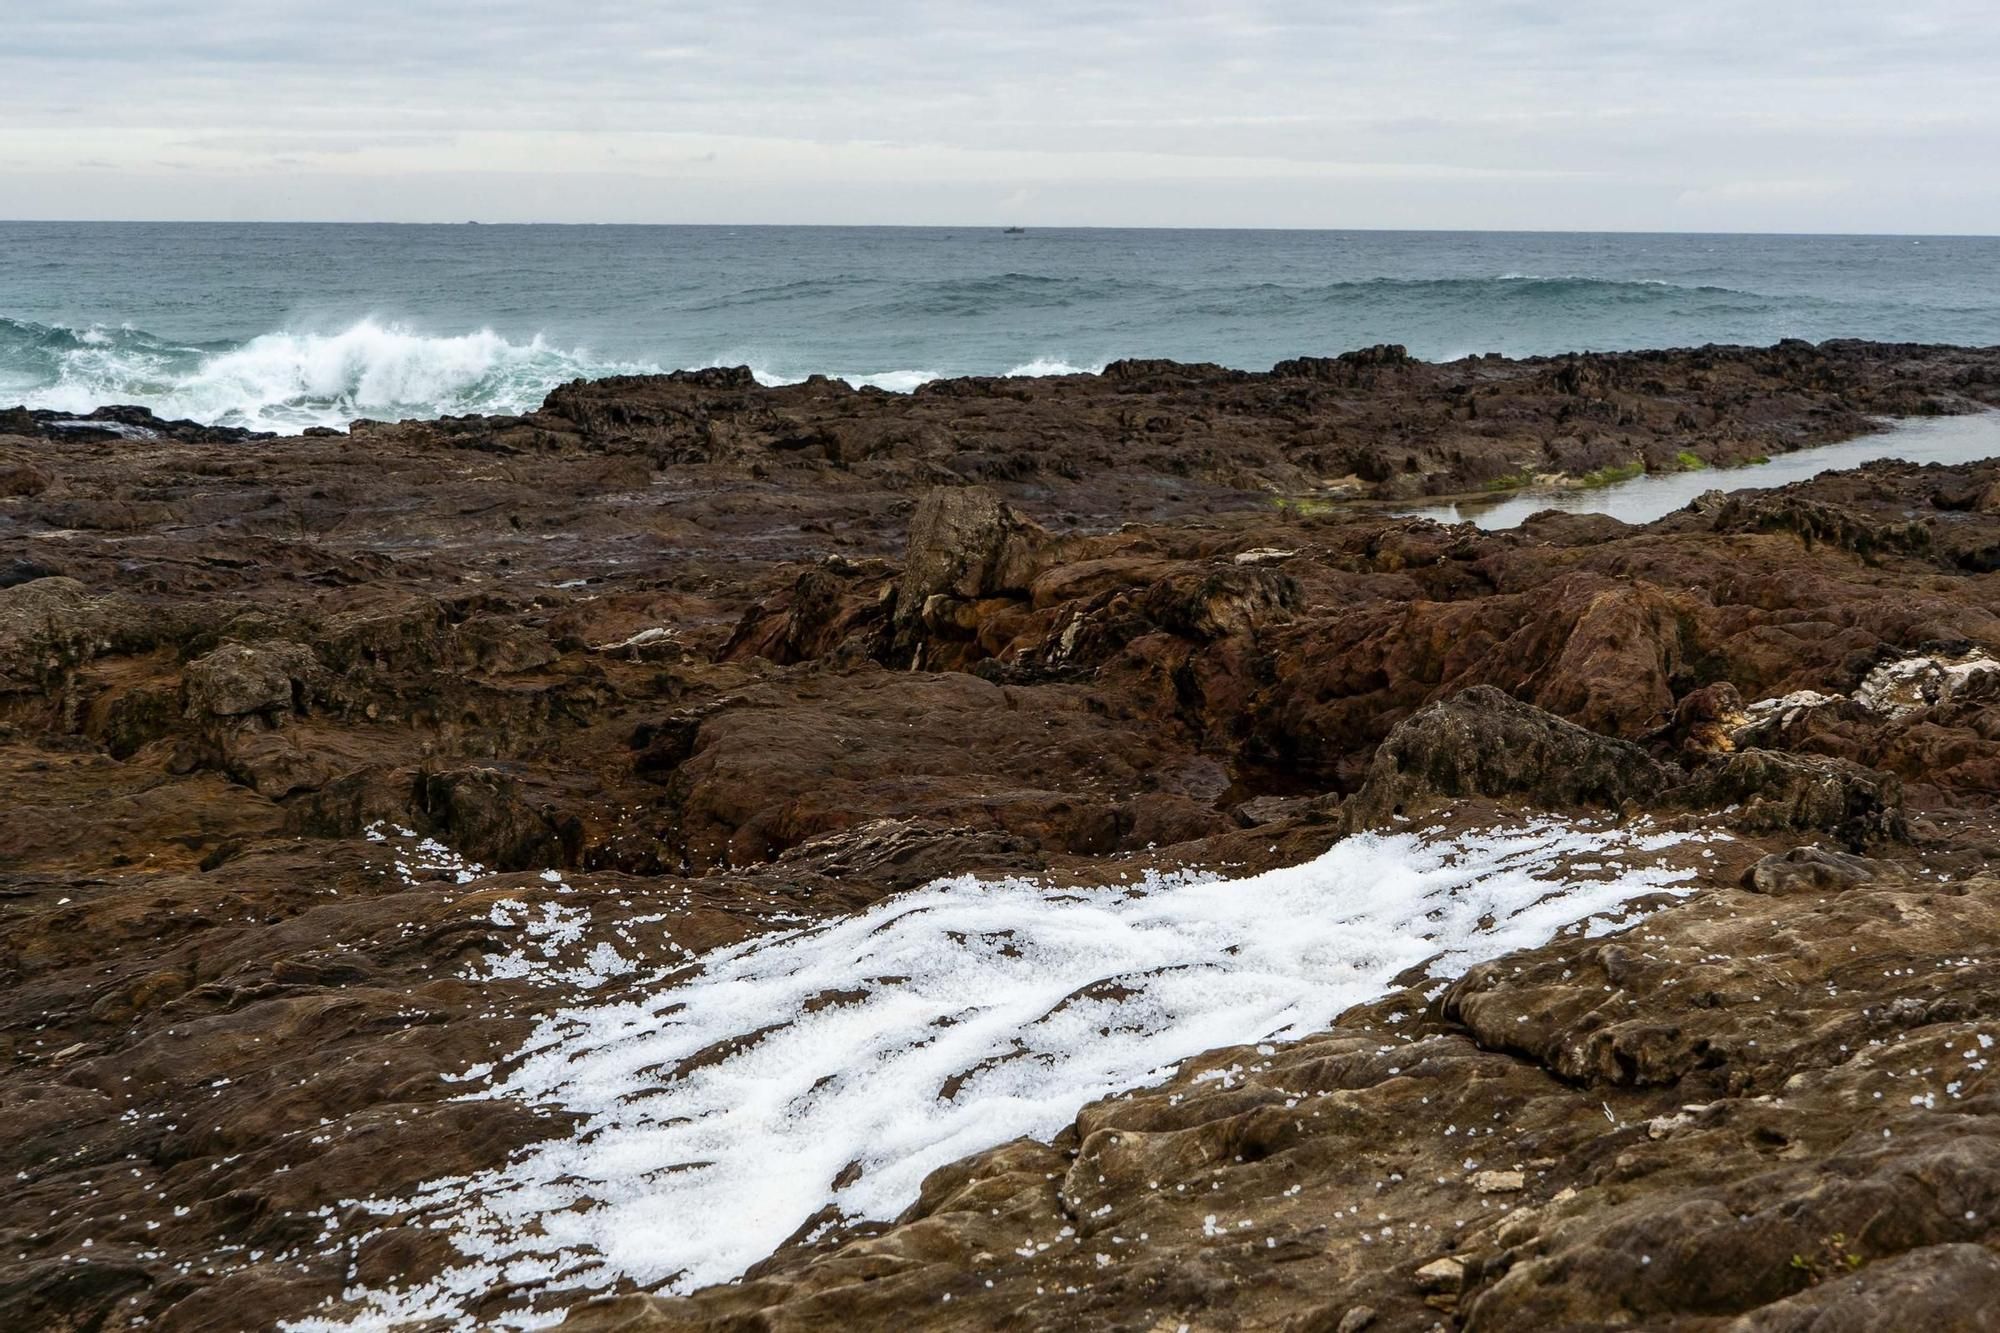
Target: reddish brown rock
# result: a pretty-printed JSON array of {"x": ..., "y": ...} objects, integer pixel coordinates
[{"x": 657, "y": 637}]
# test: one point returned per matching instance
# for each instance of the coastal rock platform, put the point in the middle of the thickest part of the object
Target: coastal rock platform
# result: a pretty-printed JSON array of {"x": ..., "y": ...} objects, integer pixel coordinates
[{"x": 335, "y": 769}]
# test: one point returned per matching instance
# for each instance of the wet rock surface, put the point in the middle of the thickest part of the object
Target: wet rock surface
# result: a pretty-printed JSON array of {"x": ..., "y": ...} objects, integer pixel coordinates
[
  {"x": 1482, "y": 742},
  {"x": 329, "y": 762}
]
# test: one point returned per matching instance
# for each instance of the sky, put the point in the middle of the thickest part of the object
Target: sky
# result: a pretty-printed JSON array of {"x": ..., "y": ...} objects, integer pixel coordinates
[{"x": 1700, "y": 115}]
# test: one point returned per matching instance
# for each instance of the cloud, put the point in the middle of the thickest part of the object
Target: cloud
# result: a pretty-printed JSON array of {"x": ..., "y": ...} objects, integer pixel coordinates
[{"x": 1472, "y": 108}]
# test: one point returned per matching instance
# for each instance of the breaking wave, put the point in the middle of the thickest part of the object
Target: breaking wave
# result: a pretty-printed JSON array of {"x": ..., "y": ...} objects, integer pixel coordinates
[
  {"x": 287, "y": 381},
  {"x": 905, "y": 381}
]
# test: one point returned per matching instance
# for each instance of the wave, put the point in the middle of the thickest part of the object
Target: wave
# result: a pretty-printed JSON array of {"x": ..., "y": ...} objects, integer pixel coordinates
[
  {"x": 976, "y": 297},
  {"x": 781, "y": 293},
  {"x": 907, "y": 381},
  {"x": 1142, "y": 304},
  {"x": 1042, "y": 366},
  {"x": 1578, "y": 277},
  {"x": 987, "y": 294},
  {"x": 1508, "y": 295},
  {"x": 287, "y": 381}
]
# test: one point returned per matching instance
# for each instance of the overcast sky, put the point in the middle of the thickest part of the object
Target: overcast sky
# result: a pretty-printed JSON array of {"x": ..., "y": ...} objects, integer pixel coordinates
[{"x": 1786, "y": 115}]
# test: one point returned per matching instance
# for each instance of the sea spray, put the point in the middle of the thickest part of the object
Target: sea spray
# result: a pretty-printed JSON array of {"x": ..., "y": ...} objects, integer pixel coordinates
[{"x": 286, "y": 381}]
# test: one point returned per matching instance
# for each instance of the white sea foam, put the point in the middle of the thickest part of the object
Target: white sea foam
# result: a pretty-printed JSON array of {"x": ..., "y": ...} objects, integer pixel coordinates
[
  {"x": 1582, "y": 277},
  {"x": 369, "y": 366},
  {"x": 694, "y": 1160},
  {"x": 895, "y": 381},
  {"x": 907, "y": 381},
  {"x": 1041, "y": 366},
  {"x": 286, "y": 381}
]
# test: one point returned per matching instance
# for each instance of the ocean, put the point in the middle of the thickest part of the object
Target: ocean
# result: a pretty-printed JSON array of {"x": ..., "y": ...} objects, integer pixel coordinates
[{"x": 281, "y": 326}]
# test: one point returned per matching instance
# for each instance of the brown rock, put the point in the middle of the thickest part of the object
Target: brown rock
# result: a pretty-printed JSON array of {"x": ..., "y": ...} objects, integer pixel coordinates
[
  {"x": 238, "y": 679},
  {"x": 966, "y": 543},
  {"x": 21, "y": 479},
  {"x": 1946, "y": 1288},
  {"x": 1810, "y": 870},
  {"x": 1770, "y": 792},
  {"x": 1442, "y": 1276},
  {"x": 1480, "y": 742},
  {"x": 638, "y": 635}
]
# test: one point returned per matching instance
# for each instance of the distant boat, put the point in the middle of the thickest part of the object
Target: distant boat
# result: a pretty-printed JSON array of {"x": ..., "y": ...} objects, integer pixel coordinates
[{"x": 1016, "y": 231}]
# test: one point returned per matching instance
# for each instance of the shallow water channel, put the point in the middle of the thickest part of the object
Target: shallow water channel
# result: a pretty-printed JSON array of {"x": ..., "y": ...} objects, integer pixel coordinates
[{"x": 1643, "y": 499}]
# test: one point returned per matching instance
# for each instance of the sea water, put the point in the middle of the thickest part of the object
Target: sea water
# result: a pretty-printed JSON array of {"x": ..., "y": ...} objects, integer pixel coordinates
[
  {"x": 281, "y": 326},
  {"x": 1959, "y": 439}
]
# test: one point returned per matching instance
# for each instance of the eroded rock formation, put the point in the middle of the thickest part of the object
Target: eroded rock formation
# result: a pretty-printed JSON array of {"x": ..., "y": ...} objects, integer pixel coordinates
[{"x": 733, "y": 659}]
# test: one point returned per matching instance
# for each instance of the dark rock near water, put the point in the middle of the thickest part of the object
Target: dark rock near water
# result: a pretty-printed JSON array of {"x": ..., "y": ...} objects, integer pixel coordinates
[
  {"x": 1481, "y": 743},
  {"x": 119, "y": 423}
]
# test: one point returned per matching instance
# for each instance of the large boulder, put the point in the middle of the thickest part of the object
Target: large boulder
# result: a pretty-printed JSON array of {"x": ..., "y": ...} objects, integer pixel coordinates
[
  {"x": 1483, "y": 742},
  {"x": 1817, "y": 870},
  {"x": 966, "y": 542},
  {"x": 1951, "y": 1288},
  {"x": 1623, "y": 646},
  {"x": 239, "y": 679},
  {"x": 1766, "y": 791},
  {"x": 50, "y": 627},
  {"x": 1215, "y": 603},
  {"x": 970, "y": 555}
]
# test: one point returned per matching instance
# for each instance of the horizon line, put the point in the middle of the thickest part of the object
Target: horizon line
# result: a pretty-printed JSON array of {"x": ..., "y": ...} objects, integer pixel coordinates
[{"x": 996, "y": 226}]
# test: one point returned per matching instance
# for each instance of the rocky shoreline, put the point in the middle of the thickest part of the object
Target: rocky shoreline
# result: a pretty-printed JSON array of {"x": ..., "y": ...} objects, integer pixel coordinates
[{"x": 330, "y": 764}]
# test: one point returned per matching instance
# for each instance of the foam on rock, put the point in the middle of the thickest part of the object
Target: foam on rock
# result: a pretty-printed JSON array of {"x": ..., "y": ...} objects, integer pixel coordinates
[{"x": 825, "y": 1072}]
